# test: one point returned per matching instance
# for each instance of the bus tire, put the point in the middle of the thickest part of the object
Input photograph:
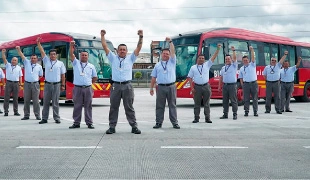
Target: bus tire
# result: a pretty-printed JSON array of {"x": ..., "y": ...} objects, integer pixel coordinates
[
  {"x": 306, "y": 96},
  {"x": 41, "y": 102},
  {"x": 240, "y": 101}
]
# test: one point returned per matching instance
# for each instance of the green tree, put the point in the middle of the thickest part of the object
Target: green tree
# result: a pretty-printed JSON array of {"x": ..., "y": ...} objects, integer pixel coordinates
[{"x": 138, "y": 76}]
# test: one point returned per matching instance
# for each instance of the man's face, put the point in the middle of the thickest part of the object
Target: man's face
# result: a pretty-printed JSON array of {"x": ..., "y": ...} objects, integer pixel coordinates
[
  {"x": 286, "y": 64},
  {"x": 53, "y": 55},
  {"x": 122, "y": 51},
  {"x": 165, "y": 55},
  {"x": 201, "y": 60},
  {"x": 273, "y": 62},
  {"x": 14, "y": 61},
  {"x": 227, "y": 60},
  {"x": 84, "y": 56},
  {"x": 245, "y": 61},
  {"x": 34, "y": 59}
]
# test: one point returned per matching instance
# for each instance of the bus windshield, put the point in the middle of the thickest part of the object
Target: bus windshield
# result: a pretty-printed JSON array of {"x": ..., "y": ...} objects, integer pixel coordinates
[{"x": 186, "y": 57}]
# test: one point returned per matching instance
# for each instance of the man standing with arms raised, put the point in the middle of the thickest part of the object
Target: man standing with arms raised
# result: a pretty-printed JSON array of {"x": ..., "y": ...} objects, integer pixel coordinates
[
  {"x": 54, "y": 82},
  {"x": 271, "y": 74},
  {"x": 164, "y": 74},
  {"x": 13, "y": 82},
  {"x": 199, "y": 74},
  {"x": 248, "y": 80},
  {"x": 84, "y": 76},
  {"x": 33, "y": 71},
  {"x": 121, "y": 65},
  {"x": 228, "y": 78}
]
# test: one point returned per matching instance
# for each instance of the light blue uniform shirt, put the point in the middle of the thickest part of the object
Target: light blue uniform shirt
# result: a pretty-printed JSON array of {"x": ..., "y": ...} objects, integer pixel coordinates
[
  {"x": 287, "y": 75},
  {"x": 32, "y": 71},
  {"x": 272, "y": 72},
  {"x": 13, "y": 72},
  {"x": 2, "y": 75},
  {"x": 164, "y": 71},
  {"x": 121, "y": 67},
  {"x": 200, "y": 73},
  {"x": 53, "y": 69},
  {"x": 229, "y": 73},
  {"x": 83, "y": 73},
  {"x": 248, "y": 73}
]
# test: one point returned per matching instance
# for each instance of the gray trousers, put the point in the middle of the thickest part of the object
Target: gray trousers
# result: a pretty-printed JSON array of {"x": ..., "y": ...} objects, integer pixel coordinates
[
  {"x": 31, "y": 92},
  {"x": 203, "y": 92},
  {"x": 272, "y": 87},
  {"x": 230, "y": 93},
  {"x": 125, "y": 92},
  {"x": 168, "y": 93},
  {"x": 51, "y": 92},
  {"x": 286, "y": 93},
  {"x": 82, "y": 97},
  {"x": 11, "y": 88},
  {"x": 250, "y": 90}
]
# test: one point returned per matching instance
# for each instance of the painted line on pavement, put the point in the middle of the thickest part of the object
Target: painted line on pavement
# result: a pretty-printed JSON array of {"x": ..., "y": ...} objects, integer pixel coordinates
[
  {"x": 203, "y": 147},
  {"x": 307, "y": 147},
  {"x": 58, "y": 147}
]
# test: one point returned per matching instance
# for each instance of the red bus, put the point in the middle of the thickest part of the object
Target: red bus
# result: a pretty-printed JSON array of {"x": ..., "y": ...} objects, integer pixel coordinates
[
  {"x": 189, "y": 45},
  {"x": 60, "y": 41}
]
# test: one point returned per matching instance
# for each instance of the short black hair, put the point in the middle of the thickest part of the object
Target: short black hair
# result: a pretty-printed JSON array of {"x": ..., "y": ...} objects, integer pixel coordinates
[
  {"x": 85, "y": 51},
  {"x": 33, "y": 55},
  {"x": 227, "y": 55},
  {"x": 201, "y": 55},
  {"x": 165, "y": 49},
  {"x": 121, "y": 45},
  {"x": 52, "y": 50},
  {"x": 244, "y": 56}
]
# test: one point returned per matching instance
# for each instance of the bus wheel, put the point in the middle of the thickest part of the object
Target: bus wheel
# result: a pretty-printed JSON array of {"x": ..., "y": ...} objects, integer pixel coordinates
[
  {"x": 306, "y": 96},
  {"x": 41, "y": 102},
  {"x": 20, "y": 99},
  {"x": 239, "y": 95},
  {"x": 69, "y": 101}
]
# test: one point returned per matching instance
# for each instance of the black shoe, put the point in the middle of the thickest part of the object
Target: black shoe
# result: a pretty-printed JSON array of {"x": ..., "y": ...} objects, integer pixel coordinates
[
  {"x": 90, "y": 126},
  {"x": 25, "y": 118},
  {"x": 288, "y": 111},
  {"x": 74, "y": 126},
  {"x": 282, "y": 110},
  {"x": 157, "y": 125},
  {"x": 267, "y": 112},
  {"x": 246, "y": 114},
  {"x": 16, "y": 114},
  {"x": 224, "y": 117},
  {"x": 255, "y": 114},
  {"x": 135, "y": 130},
  {"x": 43, "y": 122},
  {"x": 57, "y": 121},
  {"x": 176, "y": 126},
  {"x": 38, "y": 118},
  {"x": 235, "y": 117},
  {"x": 279, "y": 112},
  {"x": 208, "y": 121},
  {"x": 195, "y": 121},
  {"x": 110, "y": 131},
  {"x": 6, "y": 114}
]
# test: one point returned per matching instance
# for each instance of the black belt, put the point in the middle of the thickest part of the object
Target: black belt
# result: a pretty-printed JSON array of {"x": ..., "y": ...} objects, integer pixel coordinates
[
  {"x": 286, "y": 82},
  {"x": 201, "y": 84},
  {"x": 51, "y": 82},
  {"x": 124, "y": 82},
  {"x": 12, "y": 81},
  {"x": 250, "y": 82},
  {"x": 31, "y": 82},
  {"x": 82, "y": 86},
  {"x": 166, "y": 84},
  {"x": 229, "y": 83},
  {"x": 272, "y": 81}
]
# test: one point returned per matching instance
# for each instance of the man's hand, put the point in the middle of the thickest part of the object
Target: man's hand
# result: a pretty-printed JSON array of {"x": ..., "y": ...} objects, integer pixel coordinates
[
  {"x": 151, "y": 92},
  {"x": 232, "y": 48},
  {"x": 3, "y": 51},
  {"x": 140, "y": 32},
  {"x": 62, "y": 88},
  {"x": 299, "y": 59},
  {"x": 251, "y": 48},
  {"x": 17, "y": 48},
  {"x": 219, "y": 46},
  {"x": 285, "y": 52},
  {"x": 193, "y": 91},
  {"x": 72, "y": 43},
  {"x": 168, "y": 39},
  {"x": 103, "y": 32},
  {"x": 219, "y": 89},
  {"x": 38, "y": 40}
]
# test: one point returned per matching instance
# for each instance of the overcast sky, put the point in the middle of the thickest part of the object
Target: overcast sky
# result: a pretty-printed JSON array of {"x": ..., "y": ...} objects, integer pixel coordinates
[{"x": 158, "y": 19}]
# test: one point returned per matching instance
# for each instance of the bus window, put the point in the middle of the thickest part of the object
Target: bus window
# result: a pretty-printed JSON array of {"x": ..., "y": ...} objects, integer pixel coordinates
[
  {"x": 255, "y": 47},
  {"x": 241, "y": 48},
  {"x": 186, "y": 56},
  {"x": 267, "y": 54},
  {"x": 1, "y": 60},
  {"x": 291, "y": 54},
  {"x": 47, "y": 48},
  {"x": 220, "y": 57},
  {"x": 305, "y": 55},
  {"x": 274, "y": 51},
  {"x": 27, "y": 51},
  {"x": 13, "y": 53},
  {"x": 62, "y": 53}
]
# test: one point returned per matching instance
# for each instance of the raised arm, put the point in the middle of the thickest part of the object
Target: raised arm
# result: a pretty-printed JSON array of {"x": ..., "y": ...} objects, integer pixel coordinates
[
  {"x": 72, "y": 56},
  {"x": 139, "y": 45},
  {"x": 5, "y": 61},
  {"x": 298, "y": 62},
  {"x": 20, "y": 53},
  {"x": 104, "y": 42},
  {"x": 40, "y": 47},
  {"x": 234, "y": 57},
  {"x": 171, "y": 46},
  {"x": 252, "y": 54},
  {"x": 219, "y": 46},
  {"x": 283, "y": 57}
]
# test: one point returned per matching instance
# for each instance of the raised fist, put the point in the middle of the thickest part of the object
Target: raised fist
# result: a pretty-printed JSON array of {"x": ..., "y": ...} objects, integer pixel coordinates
[
  {"x": 3, "y": 50},
  {"x": 103, "y": 32},
  {"x": 299, "y": 59},
  {"x": 17, "y": 47},
  {"x": 72, "y": 43},
  {"x": 232, "y": 48},
  {"x": 38, "y": 39},
  {"x": 251, "y": 48},
  {"x": 168, "y": 39},
  {"x": 219, "y": 46},
  {"x": 285, "y": 52},
  {"x": 140, "y": 32}
]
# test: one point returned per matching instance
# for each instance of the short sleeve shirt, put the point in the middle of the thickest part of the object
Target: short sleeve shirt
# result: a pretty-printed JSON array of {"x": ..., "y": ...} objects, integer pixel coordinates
[
  {"x": 83, "y": 73},
  {"x": 248, "y": 73},
  {"x": 272, "y": 73},
  {"x": 287, "y": 75},
  {"x": 200, "y": 73},
  {"x": 32, "y": 71},
  {"x": 53, "y": 69},
  {"x": 229, "y": 73},
  {"x": 164, "y": 71},
  {"x": 13, "y": 72}
]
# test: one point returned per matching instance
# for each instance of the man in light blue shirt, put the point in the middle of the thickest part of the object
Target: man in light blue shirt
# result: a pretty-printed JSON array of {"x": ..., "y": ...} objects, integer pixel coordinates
[
  {"x": 2, "y": 77},
  {"x": 164, "y": 74},
  {"x": 13, "y": 82},
  {"x": 287, "y": 84},
  {"x": 199, "y": 74},
  {"x": 121, "y": 65},
  {"x": 248, "y": 80},
  {"x": 228, "y": 79},
  {"x": 33, "y": 71},
  {"x": 271, "y": 74},
  {"x": 54, "y": 76},
  {"x": 84, "y": 76}
]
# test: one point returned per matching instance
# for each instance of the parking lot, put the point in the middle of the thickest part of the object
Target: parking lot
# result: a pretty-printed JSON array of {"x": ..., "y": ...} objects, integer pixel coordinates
[{"x": 271, "y": 146}]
